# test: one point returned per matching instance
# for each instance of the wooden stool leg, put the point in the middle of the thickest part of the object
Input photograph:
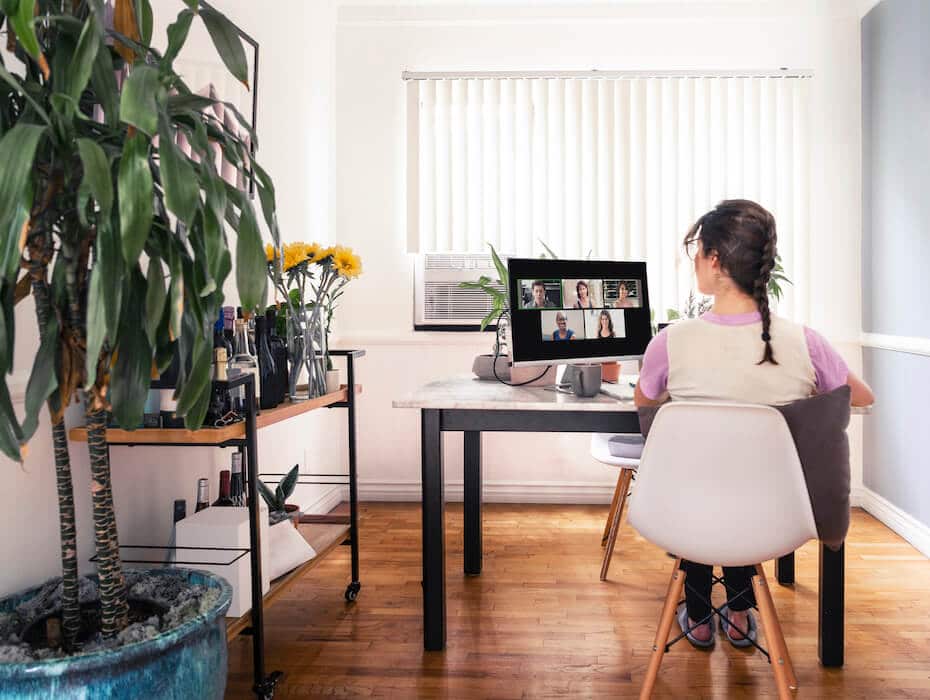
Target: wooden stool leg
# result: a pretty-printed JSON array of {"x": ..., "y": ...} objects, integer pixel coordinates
[
  {"x": 623, "y": 485},
  {"x": 675, "y": 586},
  {"x": 776, "y": 632},
  {"x": 770, "y": 624},
  {"x": 613, "y": 509}
]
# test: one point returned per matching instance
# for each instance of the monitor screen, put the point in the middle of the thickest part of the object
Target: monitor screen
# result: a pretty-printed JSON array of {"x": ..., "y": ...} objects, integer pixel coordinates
[{"x": 577, "y": 310}]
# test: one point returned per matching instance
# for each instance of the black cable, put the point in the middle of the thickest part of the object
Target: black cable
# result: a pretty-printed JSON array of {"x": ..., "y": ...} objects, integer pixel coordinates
[{"x": 497, "y": 351}]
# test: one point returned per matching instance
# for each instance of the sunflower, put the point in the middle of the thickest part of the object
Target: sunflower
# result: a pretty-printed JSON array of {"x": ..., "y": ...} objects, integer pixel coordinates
[
  {"x": 294, "y": 254},
  {"x": 346, "y": 263},
  {"x": 270, "y": 253},
  {"x": 315, "y": 252}
]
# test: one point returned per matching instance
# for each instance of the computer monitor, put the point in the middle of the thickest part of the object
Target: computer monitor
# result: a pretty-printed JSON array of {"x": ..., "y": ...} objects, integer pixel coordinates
[{"x": 577, "y": 311}]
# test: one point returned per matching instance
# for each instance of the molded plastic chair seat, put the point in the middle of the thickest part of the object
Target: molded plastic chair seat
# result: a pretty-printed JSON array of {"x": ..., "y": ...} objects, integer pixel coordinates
[
  {"x": 600, "y": 450},
  {"x": 721, "y": 483}
]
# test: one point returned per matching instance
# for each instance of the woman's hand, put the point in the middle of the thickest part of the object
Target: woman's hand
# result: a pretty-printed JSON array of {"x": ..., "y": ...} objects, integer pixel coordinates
[
  {"x": 640, "y": 399},
  {"x": 861, "y": 392}
]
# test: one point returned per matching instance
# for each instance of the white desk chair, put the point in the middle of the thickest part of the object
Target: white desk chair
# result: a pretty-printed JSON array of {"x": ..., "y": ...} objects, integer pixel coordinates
[
  {"x": 722, "y": 483},
  {"x": 600, "y": 450}
]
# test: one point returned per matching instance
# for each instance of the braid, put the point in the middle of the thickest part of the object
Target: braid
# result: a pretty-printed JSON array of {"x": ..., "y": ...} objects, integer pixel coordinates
[{"x": 761, "y": 287}]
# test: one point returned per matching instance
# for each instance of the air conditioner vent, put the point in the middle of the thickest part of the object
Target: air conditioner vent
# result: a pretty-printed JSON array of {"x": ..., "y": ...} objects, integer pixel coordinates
[{"x": 439, "y": 302}]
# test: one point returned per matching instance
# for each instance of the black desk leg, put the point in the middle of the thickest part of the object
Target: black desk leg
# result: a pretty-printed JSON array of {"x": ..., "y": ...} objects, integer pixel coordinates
[
  {"x": 784, "y": 569},
  {"x": 434, "y": 537},
  {"x": 472, "y": 503},
  {"x": 831, "y": 608},
  {"x": 355, "y": 586}
]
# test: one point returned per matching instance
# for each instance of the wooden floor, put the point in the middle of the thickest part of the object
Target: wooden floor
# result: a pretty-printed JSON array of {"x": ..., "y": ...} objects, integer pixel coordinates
[{"x": 538, "y": 624}]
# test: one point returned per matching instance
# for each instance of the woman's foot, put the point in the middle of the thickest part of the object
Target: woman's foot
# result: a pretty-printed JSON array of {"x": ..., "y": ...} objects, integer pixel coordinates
[
  {"x": 739, "y": 620},
  {"x": 701, "y": 636},
  {"x": 700, "y": 632}
]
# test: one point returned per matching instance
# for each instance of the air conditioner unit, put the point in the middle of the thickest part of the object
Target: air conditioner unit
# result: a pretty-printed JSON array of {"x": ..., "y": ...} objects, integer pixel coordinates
[{"x": 439, "y": 303}]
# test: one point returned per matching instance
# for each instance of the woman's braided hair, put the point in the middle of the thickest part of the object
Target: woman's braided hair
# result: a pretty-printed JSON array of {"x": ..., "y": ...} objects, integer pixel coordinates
[{"x": 742, "y": 234}]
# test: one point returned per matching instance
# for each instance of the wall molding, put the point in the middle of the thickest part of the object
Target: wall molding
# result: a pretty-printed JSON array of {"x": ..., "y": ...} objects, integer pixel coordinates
[
  {"x": 897, "y": 343},
  {"x": 574, "y": 492},
  {"x": 904, "y": 524},
  {"x": 325, "y": 502}
]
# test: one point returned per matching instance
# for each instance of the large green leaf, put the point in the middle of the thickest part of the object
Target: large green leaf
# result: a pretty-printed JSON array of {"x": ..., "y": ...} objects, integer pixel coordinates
[
  {"x": 103, "y": 81},
  {"x": 131, "y": 375},
  {"x": 97, "y": 175},
  {"x": 7, "y": 327},
  {"x": 251, "y": 263},
  {"x": 135, "y": 197},
  {"x": 177, "y": 35},
  {"x": 43, "y": 380},
  {"x": 138, "y": 102},
  {"x": 176, "y": 297},
  {"x": 10, "y": 432},
  {"x": 144, "y": 20},
  {"x": 109, "y": 261},
  {"x": 96, "y": 322},
  {"x": 288, "y": 483},
  {"x": 199, "y": 376},
  {"x": 503, "y": 277},
  {"x": 11, "y": 80},
  {"x": 17, "y": 152},
  {"x": 155, "y": 296},
  {"x": 182, "y": 189},
  {"x": 79, "y": 70},
  {"x": 227, "y": 42},
  {"x": 20, "y": 14}
]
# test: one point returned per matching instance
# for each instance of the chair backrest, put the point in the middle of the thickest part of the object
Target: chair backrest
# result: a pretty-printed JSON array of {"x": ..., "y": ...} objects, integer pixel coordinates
[{"x": 721, "y": 483}]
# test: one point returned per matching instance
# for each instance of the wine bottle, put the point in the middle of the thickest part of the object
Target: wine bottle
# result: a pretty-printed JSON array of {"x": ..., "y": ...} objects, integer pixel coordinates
[
  {"x": 279, "y": 352},
  {"x": 243, "y": 360},
  {"x": 220, "y": 402},
  {"x": 236, "y": 485},
  {"x": 224, "y": 500},
  {"x": 219, "y": 338},
  {"x": 180, "y": 509},
  {"x": 203, "y": 495},
  {"x": 229, "y": 329},
  {"x": 266, "y": 365}
]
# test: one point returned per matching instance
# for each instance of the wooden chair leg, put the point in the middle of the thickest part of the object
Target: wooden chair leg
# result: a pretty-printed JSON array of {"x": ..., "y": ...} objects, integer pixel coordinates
[
  {"x": 777, "y": 655},
  {"x": 613, "y": 509},
  {"x": 623, "y": 485},
  {"x": 776, "y": 632},
  {"x": 675, "y": 586}
]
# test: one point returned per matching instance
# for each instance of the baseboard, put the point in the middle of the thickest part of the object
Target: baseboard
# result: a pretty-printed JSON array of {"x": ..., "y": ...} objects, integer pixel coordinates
[
  {"x": 495, "y": 491},
  {"x": 323, "y": 503},
  {"x": 911, "y": 529}
]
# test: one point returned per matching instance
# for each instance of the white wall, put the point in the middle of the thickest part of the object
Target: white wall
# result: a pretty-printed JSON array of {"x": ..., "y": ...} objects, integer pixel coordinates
[
  {"x": 376, "y": 41},
  {"x": 295, "y": 146}
]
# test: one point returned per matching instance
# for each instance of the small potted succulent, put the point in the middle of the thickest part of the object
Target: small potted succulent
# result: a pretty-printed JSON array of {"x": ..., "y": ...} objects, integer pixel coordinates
[{"x": 278, "y": 507}]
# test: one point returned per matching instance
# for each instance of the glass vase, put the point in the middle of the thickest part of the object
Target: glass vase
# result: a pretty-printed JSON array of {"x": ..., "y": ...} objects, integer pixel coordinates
[
  {"x": 296, "y": 351},
  {"x": 316, "y": 355}
]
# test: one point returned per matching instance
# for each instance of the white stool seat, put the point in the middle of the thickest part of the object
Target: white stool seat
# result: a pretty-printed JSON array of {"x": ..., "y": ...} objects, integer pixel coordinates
[{"x": 600, "y": 450}]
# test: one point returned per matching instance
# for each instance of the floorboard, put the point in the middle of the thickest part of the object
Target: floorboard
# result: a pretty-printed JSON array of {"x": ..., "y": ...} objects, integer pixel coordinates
[{"x": 538, "y": 624}]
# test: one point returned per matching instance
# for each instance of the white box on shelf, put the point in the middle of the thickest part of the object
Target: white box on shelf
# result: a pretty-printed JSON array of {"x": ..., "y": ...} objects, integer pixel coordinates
[{"x": 227, "y": 528}]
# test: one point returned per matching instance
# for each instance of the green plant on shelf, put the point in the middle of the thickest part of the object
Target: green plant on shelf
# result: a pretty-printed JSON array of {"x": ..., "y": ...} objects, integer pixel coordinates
[{"x": 277, "y": 500}]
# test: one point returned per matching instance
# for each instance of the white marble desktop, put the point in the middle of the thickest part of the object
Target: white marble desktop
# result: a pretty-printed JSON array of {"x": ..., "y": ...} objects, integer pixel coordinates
[{"x": 467, "y": 392}]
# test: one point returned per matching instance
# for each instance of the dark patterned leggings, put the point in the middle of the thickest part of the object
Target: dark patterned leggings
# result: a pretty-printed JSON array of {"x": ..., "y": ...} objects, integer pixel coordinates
[{"x": 698, "y": 577}]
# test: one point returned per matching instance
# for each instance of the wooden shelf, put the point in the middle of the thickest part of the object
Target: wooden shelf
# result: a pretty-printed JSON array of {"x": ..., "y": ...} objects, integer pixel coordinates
[
  {"x": 216, "y": 436},
  {"x": 323, "y": 539}
]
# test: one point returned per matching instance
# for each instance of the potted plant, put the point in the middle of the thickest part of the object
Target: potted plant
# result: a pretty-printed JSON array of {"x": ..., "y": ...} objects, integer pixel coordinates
[
  {"x": 90, "y": 180},
  {"x": 278, "y": 507}
]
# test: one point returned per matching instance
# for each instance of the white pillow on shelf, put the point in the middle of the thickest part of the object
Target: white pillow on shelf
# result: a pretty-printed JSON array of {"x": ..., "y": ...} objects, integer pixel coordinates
[{"x": 287, "y": 549}]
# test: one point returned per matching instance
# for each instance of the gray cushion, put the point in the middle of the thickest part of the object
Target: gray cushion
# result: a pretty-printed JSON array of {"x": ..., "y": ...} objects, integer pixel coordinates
[
  {"x": 626, "y": 446},
  {"x": 818, "y": 425}
]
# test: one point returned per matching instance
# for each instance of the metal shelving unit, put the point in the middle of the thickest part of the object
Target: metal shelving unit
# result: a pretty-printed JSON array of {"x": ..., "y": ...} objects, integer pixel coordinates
[{"x": 244, "y": 437}]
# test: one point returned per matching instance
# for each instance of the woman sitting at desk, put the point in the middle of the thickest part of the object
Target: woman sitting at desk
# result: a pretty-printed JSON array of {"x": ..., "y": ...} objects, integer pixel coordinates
[
  {"x": 563, "y": 332},
  {"x": 738, "y": 351}
]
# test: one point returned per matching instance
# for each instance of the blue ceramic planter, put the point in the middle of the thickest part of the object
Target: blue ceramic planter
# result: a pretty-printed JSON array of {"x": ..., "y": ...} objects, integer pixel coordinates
[{"x": 184, "y": 663}]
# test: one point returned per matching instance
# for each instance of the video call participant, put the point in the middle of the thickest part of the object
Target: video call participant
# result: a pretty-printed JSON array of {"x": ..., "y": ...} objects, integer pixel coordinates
[
  {"x": 563, "y": 332},
  {"x": 605, "y": 325},
  {"x": 539, "y": 297},
  {"x": 623, "y": 299},
  {"x": 582, "y": 301}
]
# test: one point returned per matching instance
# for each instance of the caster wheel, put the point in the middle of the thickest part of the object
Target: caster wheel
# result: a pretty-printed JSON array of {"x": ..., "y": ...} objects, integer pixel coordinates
[{"x": 352, "y": 591}]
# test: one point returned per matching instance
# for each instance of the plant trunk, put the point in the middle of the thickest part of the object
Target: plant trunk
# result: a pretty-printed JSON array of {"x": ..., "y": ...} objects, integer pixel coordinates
[
  {"x": 113, "y": 603},
  {"x": 67, "y": 530}
]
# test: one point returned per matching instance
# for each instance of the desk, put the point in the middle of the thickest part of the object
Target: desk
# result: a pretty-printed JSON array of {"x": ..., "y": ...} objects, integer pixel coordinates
[{"x": 471, "y": 406}]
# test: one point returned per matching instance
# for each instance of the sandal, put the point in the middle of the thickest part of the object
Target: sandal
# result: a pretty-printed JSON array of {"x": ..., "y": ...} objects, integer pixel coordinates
[
  {"x": 747, "y": 639},
  {"x": 682, "y": 616}
]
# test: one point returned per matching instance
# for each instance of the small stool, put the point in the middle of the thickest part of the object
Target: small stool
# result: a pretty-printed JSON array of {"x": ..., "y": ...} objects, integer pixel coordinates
[{"x": 600, "y": 450}]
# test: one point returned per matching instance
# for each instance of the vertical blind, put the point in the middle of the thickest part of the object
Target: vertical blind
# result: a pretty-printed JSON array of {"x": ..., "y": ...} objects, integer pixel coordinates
[{"x": 614, "y": 168}]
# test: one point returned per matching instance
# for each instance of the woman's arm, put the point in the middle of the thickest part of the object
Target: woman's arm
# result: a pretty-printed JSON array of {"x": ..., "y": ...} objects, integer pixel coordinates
[
  {"x": 640, "y": 399},
  {"x": 861, "y": 392}
]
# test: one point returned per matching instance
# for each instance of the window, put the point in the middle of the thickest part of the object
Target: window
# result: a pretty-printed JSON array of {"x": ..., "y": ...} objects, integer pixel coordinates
[{"x": 614, "y": 167}]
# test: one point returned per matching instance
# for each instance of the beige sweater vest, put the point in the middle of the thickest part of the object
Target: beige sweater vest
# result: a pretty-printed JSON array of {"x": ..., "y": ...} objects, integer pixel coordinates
[{"x": 713, "y": 361}]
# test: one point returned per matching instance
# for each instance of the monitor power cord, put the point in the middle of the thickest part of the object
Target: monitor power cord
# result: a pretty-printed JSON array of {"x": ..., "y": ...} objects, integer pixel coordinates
[{"x": 497, "y": 354}]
